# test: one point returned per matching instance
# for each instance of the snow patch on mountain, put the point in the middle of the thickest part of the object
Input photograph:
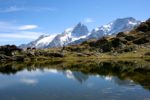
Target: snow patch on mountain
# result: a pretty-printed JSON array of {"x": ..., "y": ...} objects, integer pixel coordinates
[
  {"x": 46, "y": 40},
  {"x": 80, "y": 33},
  {"x": 119, "y": 25}
]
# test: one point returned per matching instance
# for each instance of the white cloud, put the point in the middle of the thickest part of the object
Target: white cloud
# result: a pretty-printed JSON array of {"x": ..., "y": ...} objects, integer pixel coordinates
[
  {"x": 29, "y": 81},
  {"x": 21, "y": 35},
  {"x": 10, "y": 30},
  {"x": 54, "y": 71},
  {"x": 40, "y": 9},
  {"x": 88, "y": 20},
  {"x": 9, "y": 27},
  {"x": 12, "y": 33},
  {"x": 11, "y": 9},
  {"x": 28, "y": 27},
  {"x": 33, "y": 9},
  {"x": 70, "y": 75},
  {"x": 109, "y": 78}
]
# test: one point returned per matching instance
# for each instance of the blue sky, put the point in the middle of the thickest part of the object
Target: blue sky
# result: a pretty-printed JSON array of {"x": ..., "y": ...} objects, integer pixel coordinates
[{"x": 22, "y": 21}]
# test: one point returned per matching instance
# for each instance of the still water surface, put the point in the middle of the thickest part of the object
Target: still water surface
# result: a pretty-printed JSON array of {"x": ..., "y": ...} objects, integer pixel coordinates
[{"x": 80, "y": 81}]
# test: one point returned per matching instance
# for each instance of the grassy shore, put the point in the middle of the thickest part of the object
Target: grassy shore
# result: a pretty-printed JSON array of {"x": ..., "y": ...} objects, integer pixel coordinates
[{"x": 138, "y": 54}]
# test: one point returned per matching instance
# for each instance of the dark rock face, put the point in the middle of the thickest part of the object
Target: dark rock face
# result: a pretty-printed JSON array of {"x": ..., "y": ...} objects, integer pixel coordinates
[
  {"x": 99, "y": 42},
  {"x": 107, "y": 45},
  {"x": 6, "y": 53},
  {"x": 8, "y": 49},
  {"x": 124, "y": 42},
  {"x": 116, "y": 43},
  {"x": 144, "y": 27},
  {"x": 121, "y": 34},
  {"x": 144, "y": 30},
  {"x": 80, "y": 30}
]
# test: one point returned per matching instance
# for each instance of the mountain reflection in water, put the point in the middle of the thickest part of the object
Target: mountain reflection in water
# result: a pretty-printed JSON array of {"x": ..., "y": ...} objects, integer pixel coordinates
[{"x": 109, "y": 79}]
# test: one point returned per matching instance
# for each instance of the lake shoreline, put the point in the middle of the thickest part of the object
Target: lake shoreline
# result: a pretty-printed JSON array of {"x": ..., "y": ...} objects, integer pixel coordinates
[{"x": 74, "y": 56}]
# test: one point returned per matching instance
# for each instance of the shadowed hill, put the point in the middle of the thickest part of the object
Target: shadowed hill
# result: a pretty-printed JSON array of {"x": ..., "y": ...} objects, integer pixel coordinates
[{"x": 122, "y": 42}]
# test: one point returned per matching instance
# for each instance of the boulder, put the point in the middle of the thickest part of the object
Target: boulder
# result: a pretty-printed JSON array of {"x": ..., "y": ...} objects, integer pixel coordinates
[
  {"x": 121, "y": 34},
  {"x": 8, "y": 49}
]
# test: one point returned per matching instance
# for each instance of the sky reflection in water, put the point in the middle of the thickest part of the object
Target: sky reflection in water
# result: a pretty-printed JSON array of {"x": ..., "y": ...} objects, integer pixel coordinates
[{"x": 54, "y": 84}]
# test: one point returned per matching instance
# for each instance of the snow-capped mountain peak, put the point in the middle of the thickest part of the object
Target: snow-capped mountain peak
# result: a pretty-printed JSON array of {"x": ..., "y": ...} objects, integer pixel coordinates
[
  {"x": 80, "y": 30},
  {"x": 105, "y": 28},
  {"x": 68, "y": 30},
  {"x": 70, "y": 35},
  {"x": 42, "y": 42},
  {"x": 80, "y": 33},
  {"x": 114, "y": 27},
  {"x": 45, "y": 40}
]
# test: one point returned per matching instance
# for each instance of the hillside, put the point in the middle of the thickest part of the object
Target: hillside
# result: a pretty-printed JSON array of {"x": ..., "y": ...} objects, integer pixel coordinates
[
  {"x": 123, "y": 42},
  {"x": 133, "y": 44},
  {"x": 80, "y": 33}
]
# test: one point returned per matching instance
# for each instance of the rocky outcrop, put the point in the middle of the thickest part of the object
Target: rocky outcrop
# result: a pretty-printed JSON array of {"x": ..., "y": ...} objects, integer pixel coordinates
[
  {"x": 122, "y": 42},
  {"x": 7, "y": 53},
  {"x": 9, "y": 49}
]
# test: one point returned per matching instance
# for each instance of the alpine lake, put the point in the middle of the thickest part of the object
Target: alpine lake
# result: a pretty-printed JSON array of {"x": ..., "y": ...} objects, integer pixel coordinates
[{"x": 75, "y": 80}]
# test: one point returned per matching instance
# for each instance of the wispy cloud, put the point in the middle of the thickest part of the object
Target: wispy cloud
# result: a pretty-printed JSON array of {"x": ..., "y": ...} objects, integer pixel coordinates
[
  {"x": 20, "y": 35},
  {"x": 11, "y": 9},
  {"x": 9, "y": 27},
  {"x": 40, "y": 9},
  {"x": 29, "y": 9},
  {"x": 28, "y": 27},
  {"x": 10, "y": 32},
  {"x": 29, "y": 81},
  {"x": 88, "y": 20}
]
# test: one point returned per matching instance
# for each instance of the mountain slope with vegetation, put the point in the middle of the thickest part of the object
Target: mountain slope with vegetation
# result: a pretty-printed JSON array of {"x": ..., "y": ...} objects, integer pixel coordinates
[
  {"x": 133, "y": 44},
  {"x": 124, "y": 42},
  {"x": 80, "y": 33}
]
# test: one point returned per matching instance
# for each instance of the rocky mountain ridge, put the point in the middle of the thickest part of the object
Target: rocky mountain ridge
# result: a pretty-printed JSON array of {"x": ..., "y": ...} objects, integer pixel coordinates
[{"x": 80, "y": 33}]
